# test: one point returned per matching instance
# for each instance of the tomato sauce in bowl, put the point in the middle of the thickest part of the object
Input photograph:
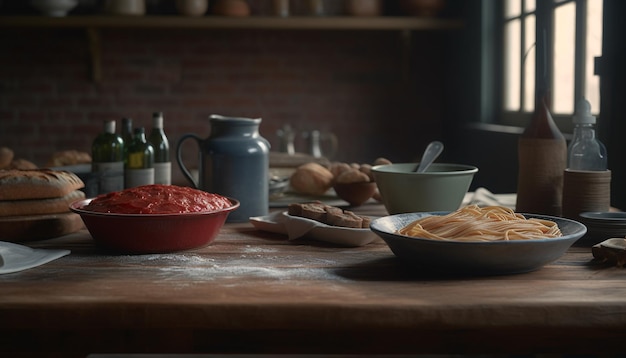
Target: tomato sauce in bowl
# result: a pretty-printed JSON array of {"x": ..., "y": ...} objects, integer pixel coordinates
[
  {"x": 158, "y": 199},
  {"x": 154, "y": 218}
]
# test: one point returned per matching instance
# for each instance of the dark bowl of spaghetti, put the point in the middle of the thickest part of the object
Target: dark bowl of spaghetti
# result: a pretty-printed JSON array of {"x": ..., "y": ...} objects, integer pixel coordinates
[{"x": 473, "y": 240}]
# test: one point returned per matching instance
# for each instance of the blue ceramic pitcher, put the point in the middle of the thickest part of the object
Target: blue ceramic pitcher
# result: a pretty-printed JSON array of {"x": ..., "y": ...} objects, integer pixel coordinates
[{"x": 233, "y": 162}]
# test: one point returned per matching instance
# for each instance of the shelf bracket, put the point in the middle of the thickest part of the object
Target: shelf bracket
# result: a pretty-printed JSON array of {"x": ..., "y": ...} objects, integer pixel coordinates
[{"x": 93, "y": 36}]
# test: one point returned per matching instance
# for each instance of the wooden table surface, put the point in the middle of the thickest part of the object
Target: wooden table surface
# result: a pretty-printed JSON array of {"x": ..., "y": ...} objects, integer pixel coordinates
[{"x": 255, "y": 292}]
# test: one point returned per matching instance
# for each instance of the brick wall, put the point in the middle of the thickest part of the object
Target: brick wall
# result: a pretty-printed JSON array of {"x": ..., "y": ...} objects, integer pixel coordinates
[{"x": 354, "y": 83}]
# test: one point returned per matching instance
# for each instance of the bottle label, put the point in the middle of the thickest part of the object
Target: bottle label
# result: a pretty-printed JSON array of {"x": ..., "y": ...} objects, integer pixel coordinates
[
  {"x": 137, "y": 177},
  {"x": 111, "y": 176},
  {"x": 136, "y": 160},
  {"x": 163, "y": 173}
]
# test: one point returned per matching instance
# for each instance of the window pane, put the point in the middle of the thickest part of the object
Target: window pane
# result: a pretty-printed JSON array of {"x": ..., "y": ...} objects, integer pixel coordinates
[
  {"x": 512, "y": 66},
  {"x": 529, "y": 6},
  {"x": 512, "y": 8},
  {"x": 529, "y": 65},
  {"x": 594, "y": 49},
  {"x": 564, "y": 58}
]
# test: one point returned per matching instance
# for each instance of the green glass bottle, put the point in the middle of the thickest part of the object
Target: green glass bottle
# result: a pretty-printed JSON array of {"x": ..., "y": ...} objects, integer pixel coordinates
[
  {"x": 158, "y": 139},
  {"x": 139, "y": 169},
  {"x": 107, "y": 152}
]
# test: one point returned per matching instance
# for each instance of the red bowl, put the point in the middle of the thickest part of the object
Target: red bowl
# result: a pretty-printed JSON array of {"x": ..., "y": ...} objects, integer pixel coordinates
[{"x": 152, "y": 233}]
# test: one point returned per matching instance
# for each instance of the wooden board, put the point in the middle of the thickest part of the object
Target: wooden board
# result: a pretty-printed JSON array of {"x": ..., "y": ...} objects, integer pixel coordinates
[{"x": 38, "y": 227}]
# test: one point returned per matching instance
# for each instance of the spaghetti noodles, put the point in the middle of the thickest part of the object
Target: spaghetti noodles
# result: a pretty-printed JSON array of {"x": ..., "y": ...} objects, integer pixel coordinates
[{"x": 473, "y": 223}]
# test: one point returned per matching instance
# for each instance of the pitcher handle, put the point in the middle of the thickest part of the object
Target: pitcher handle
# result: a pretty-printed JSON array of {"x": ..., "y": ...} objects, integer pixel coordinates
[{"x": 179, "y": 157}]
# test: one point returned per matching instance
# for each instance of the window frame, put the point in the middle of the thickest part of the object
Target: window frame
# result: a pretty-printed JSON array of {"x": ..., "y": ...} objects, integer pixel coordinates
[{"x": 493, "y": 59}]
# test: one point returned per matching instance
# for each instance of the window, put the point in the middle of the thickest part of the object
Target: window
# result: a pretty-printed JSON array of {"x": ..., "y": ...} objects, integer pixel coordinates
[{"x": 572, "y": 30}]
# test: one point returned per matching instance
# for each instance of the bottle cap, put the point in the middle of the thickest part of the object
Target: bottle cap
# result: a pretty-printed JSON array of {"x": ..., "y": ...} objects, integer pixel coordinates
[
  {"x": 583, "y": 113},
  {"x": 109, "y": 126},
  {"x": 157, "y": 120}
]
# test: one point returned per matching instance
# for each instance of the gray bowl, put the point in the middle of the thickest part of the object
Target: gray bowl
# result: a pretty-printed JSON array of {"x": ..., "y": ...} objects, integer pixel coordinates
[
  {"x": 471, "y": 258},
  {"x": 441, "y": 188}
]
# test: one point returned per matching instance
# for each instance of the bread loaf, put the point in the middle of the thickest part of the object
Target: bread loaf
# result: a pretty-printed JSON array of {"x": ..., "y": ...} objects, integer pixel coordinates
[
  {"x": 37, "y": 184},
  {"x": 38, "y": 227},
  {"x": 39, "y": 206}
]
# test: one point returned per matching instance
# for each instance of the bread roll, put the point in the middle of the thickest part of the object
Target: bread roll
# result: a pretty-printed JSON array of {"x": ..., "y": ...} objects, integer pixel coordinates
[
  {"x": 345, "y": 219},
  {"x": 22, "y": 164},
  {"x": 311, "y": 179},
  {"x": 37, "y": 184},
  {"x": 6, "y": 157},
  {"x": 330, "y": 215},
  {"x": 382, "y": 161},
  {"x": 68, "y": 157},
  {"x": 352, "y": 176},
  {"x": 314, "y": 211}
]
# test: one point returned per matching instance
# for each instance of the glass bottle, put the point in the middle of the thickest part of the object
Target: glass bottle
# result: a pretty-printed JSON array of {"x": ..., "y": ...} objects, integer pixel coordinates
[
  {"x": 542, "y": 156},
  {"x": 586, "y": 181},
  {"x": 107, "y": 152},
  {"x": 585, "y": 152},
  {"x": 139, "y": 169},
  {"x": 127, "y": 133},
  {"x": 158, "y": 139}
]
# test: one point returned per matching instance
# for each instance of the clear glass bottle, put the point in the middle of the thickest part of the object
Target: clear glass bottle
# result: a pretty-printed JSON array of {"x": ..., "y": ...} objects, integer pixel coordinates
[
  {"x": 107, "y": 152},
  {"x": 161, "y": 145},
  {"x": 139, "y": 169},
  {"x": 585, "y": 151},
  {"x": 542, "y": 157},
  {"x": 127, "y": 134}
]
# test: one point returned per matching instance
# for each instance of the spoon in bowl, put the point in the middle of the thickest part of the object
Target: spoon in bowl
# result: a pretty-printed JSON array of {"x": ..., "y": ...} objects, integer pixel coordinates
[{"x": 431, "y": 153}]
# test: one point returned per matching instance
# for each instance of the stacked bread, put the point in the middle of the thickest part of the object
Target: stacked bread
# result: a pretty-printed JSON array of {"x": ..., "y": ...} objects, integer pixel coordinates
[{"x": 34, "y": 204}]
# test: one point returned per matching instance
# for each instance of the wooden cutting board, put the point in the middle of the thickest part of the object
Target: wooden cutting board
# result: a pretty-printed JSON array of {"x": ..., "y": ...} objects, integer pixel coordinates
[{"x": 38, "y": 227}]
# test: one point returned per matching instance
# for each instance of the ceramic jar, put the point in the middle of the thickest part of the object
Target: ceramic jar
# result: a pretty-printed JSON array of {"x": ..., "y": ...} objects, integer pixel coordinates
[
  {"x": 192, "y": 7},
  {"x": 363, "y": 7},
  {"x": 234, "y": 162},
  {"x": 125, "y": 7},
  {"x": 425, "y": 8},
  {"x": 280, "y": 8},
  {"x": 237, "y": 8}
]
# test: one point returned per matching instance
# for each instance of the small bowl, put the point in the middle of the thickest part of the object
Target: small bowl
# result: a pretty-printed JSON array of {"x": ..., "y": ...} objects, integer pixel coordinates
[
  {"x": 55, "y": 8},
  {"x": 475, "y": 258},
  {"x": 152, "y": 233},
  {"x": 355, "y": 194},
  {"x": 441, "y": 188}
]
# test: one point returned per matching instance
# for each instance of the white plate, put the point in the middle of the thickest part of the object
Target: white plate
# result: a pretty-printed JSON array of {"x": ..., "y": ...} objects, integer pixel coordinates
[
  {"x": 297, "y": 227},
  {"x": 495, "y": 257},
  {"x": 274, "y": 222}
]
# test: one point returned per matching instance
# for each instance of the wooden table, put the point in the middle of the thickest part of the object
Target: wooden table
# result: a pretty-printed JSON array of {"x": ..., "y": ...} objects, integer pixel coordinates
[{"x": 256, "y": 292}]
